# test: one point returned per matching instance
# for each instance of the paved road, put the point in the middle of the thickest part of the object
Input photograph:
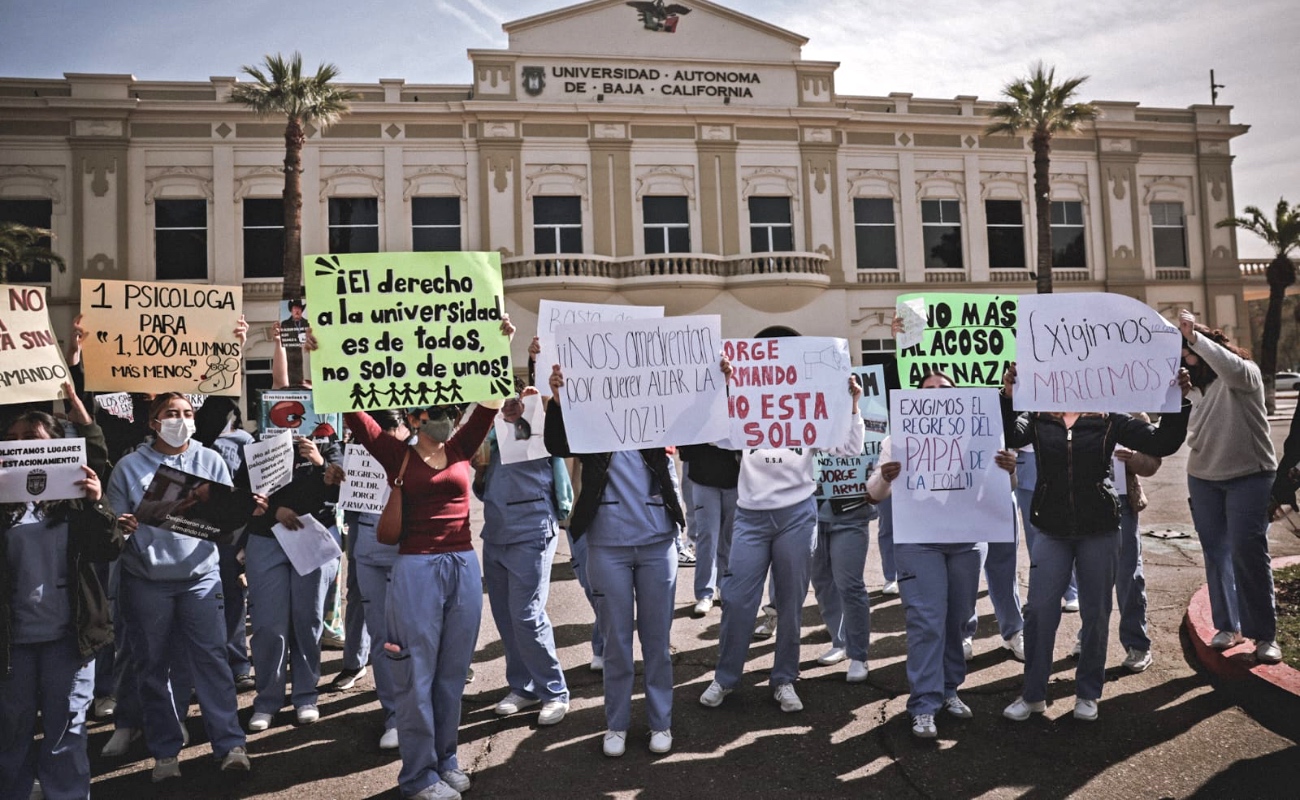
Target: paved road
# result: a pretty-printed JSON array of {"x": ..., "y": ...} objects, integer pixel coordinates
[{"x": 1164, "y": 733}]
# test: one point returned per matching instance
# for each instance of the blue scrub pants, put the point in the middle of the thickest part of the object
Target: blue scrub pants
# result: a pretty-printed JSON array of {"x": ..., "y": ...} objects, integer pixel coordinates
[
  {"x": 838, "y": 564},
  {"x": 885, "y": 539},
  {"x": 635, "y": 586},
  {"x": 356, "y": 635},
  {"x": 782, "y": 540},
  {"x": 1004, "y": 589},
  {"x": 578, "y": 560},
  {"x": 1093, "y": 559},
  {"x": 50, "y": 677},
  {"x": 1130, "y": 582},
  {"x": 168, "y": 620},
  {"x": 435, "y": 604},
  {"x": 518, "y": 578},
  {"x": 126, "y": 689},
  {"x": 373, "y": 581},
  {"x": 713, "y": 513},
  {"x": 236, "y": 612},
  {"x": 1231, "y": 519},
  {"x": 1025, "y": 500},
  {"x": 938, "y": 584},
  {"x": 287, "y": 610}
]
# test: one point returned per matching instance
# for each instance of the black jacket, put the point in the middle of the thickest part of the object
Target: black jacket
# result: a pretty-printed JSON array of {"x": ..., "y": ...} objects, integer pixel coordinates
[
  {"x": 1074, "y": 496},
  {"x": 711, "y": 466},
  {"x": 595, "y": 474},
  {"x": 307, "y": 492}
]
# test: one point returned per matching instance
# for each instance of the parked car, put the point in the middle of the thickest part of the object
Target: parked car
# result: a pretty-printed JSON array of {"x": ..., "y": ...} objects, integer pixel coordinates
[{"x": 1289, "y": 381}]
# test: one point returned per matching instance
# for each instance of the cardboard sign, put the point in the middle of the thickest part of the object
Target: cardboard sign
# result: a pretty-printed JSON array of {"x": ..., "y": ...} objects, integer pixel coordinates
[
  {"x": 788, "y": 392},
  {"x": 1095, "y": 351},
  {"x": 639, "y": 383},
  {"x": 365, "y": 484},
  {"x": 36, "y": 470},
  {"x": 270, "y": 463},
  {"x": 161, "y": 337},
  {"x": 950, "y": 490},
  {"x": 31, "y": 363},
  {"x": 842, "y": 477},
  {"x": 187, "y": 504},
  {"x": 310, "y": 547},
  {"x": 553, "y": 313},
  {"x": 294, "y": 410},
  {"x": 970, "y": 337},
  {"x": 519, "y": 429},
  {"x": 400, "y": 330}
]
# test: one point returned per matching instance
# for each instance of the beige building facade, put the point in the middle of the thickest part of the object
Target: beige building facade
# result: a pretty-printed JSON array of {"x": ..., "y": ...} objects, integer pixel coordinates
[{"x": 613, "y": 154}]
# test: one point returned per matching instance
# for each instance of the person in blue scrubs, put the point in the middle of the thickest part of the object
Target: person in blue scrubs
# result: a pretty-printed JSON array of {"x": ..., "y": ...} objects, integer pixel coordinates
[
  {"x": 522, "y": 507},
  {"x": 838, "y": 565},
  {"x": 54, "y": 617},
  {"x": 709, "y": 488},
  {"x": 629, "y": 511}
]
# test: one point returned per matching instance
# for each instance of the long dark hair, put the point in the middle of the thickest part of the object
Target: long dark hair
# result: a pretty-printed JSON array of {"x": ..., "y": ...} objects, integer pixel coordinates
[
  {"x": 52, "y": 511},
  {"x": 1202, "y": 374}
]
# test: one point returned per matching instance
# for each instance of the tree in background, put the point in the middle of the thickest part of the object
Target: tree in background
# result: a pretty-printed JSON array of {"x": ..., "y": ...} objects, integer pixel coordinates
[
  {"x": 1282, "y": 233},
  {"x": 24, "y": 248},
  {"x": 281, "y": 90},
  {"x": 1043, "y": 107}
]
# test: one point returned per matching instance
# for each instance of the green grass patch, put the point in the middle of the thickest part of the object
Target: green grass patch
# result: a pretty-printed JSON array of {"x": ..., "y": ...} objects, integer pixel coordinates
[{"x": 1286, "y": 583}]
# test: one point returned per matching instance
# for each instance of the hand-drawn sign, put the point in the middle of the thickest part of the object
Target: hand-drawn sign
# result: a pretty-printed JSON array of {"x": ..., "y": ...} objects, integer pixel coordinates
[
  {"x": 971, "y": 337},
  {"x": 31, "y": 363},
  {"x": 841, "y": 477},
  {"x": 788, "y": 392}
]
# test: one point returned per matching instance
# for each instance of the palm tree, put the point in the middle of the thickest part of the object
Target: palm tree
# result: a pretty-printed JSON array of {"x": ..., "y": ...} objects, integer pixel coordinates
[
  {"x": 1040, "y": 105},
  {"x": 22, "y": 249},
  {"x": 1282, "y": 233},
  {"x": 281, "y": 90}
]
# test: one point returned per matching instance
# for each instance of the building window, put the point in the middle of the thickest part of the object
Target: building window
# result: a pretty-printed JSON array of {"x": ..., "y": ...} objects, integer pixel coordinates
[
  {"x": 770, "y": 228},
  {"x": 557, "y": 224},
  {"x": 33, "y": 214},
  {"x": 873, "y": 228},
  {"x": 257, "y": 379},
  {"x": 263, "y": 238},
  {"x": 941, "y": 227},
  {"x": 180, "y": 236},
  {"x": 1068, "y": 248},
  {"x": 667, "y": 223},
  {"x": 877, "y": 351},
  {"x": 354, "y": 225},
  {"x": 435, "y": 224},
  {"x": 1006, "y": 223},
  {"x": 1169, "y": 234}
]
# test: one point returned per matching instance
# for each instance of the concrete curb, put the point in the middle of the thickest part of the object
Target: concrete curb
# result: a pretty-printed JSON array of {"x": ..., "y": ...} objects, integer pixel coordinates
[{"x": 1236, "y": 665}]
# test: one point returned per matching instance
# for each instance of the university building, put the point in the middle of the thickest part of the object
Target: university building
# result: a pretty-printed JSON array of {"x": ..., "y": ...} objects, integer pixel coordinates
[{"x": 682, "y": 155}]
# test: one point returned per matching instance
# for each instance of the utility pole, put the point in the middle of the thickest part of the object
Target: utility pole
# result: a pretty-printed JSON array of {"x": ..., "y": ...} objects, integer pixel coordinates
[{"x": 1214, "y": 90}]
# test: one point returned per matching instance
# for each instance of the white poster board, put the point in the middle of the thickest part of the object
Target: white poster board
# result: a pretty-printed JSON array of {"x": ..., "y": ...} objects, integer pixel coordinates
[
  {"x": 551, "y": 314},
  {"x": 37, "y": 470},
  {"x": 308, "y": 548},
  {"x": 844, "y": 477},
  {"x": 788, "y": 392},
  {"x": 1095, "y": 351},
  {"x": 270, "y": 463},
  {"x": 365, "y": 484},
  {"x": 519, "y": 429},
  {"x": 639, "y": 383},
  {"x": 950, "y": 489}
]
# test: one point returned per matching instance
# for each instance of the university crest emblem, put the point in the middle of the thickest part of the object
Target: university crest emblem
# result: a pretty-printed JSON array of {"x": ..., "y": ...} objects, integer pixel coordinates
[
  {"x": 534, "y": 80},
  {"x": 656, "y": 16},
  {"x": 36, "y": 482}
]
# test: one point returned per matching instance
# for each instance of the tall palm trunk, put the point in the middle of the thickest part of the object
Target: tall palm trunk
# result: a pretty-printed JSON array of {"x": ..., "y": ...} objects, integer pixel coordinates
[
  {"x": 1281, "y": 274},
  {"x": 1042, "y": 143},
  {"x": 294, "y": 137}
]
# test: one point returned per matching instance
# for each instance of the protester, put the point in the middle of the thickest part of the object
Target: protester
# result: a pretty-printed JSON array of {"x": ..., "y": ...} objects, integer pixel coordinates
[
  {"x": 710, "y": 481},
  {"x": 1130, "y": 580},
  {"x": 839, "y": 563}
]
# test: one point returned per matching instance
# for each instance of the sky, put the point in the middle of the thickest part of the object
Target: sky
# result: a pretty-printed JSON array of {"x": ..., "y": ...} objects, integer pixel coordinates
[{"x": 1159, "y": 54}]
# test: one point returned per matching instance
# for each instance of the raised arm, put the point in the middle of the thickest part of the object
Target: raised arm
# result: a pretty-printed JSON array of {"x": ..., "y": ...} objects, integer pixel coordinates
[
  {"x": 1160, "y": 441},
  {"x": 367, "y": 433},
  {"x": 553, "y": 435},
  {"x": 880, "y": 482},
  {"x": 1240, "y": 374},
  {"x": 475, "y": 430}
]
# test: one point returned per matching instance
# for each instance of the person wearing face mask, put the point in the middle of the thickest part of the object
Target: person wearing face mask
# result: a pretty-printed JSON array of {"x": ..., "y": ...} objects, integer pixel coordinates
[{"x": 171, "y": 591}]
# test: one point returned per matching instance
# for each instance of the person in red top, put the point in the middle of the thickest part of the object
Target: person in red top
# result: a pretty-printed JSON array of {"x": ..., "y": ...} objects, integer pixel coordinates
[{"x": 435, "y": 593}]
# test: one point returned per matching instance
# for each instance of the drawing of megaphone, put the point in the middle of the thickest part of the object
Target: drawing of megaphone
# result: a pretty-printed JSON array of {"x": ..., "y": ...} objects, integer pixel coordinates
[{"x": 830, "y": 356}]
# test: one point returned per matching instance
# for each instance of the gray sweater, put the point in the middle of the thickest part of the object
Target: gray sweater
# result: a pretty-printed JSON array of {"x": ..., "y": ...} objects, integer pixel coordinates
[{"x": 1228, "y": 431}]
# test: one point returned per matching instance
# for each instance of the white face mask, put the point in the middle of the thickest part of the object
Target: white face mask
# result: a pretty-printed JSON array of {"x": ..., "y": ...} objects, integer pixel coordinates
[
  {"x": 176, "y": 431},
  {"x": 439, "y": 429}
]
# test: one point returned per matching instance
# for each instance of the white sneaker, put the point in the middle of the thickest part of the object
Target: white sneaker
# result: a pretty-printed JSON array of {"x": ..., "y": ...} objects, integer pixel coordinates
[
  {"x": 120, "y": 742},
  {"x": 308, "y": 714},
  {"x": 968, "y": 648},
  {"x": 1137, "y": 660},
  {"x": 954, "y": 705},
  {"x": 1020, "y": 710},
  {"x": 469, "y": 675},
  {"x": 514, "y": 703},
  {"x": 236, "y": 761},
  {"x": 923, "y": 726},
  {"x": 1016, "y": 644},
  {"x": 615, "y": 743},
  {"x": 832, "y": 656},
  {"x": 702, "y": 607},
  {"x": 456, "y": 779},
  {"x": 790, "y": 702},
  {"x": 389, "y": 741},
  {"x": 105, "y": 707},
  {"x": 1267, "y": 652},
  {"x": 1077, "y": 649},
  {"x": 857, "y": 671},
  {"x": 1071, "y": 606},
  {"x": 890, "y": 588},
  {"x": 438, "y": 791},
  {"x": 1226, "y": 640},
  {"x": 259, "y": 722},
  {"x": 661, "y": 741},
  {"x": 714, "y": 695},
  {"x": 767, "y": 626},
  {"x": 1085, "y": 710},
  {"x": 164, "y": 769},
  {"x": 597, "y": 664},
  {"x": 552, "y": 712}
]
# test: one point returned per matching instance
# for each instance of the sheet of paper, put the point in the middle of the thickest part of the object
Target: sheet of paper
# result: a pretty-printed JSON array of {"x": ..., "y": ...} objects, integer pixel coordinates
[
  {"x": 913, "y": 314},
  {"x": 365, "y": 487},
  {"x": 38, "y": 470},
  {"x": 309, "y": 548},
  {"x": 519, "y": 429},
  {"x": 270, "y": 463},
  {"x": 551, "y": 314}
]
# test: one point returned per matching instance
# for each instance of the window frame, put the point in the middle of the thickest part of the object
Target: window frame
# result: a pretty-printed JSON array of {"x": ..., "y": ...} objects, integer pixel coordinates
[
  {"x": 665, "y": 228},
  {"x": 330, "y": 227},
  {"x": 928, "y": 227},
  {"x": 1181, "y": 227},
  {"x": 892, "y": 225},
  {"x": 438, "y": 227},
  {"x": 1079, "y": 231},
  {"x": 245, "y": 228},
  {"x": 158, "y": 203},
  {"x": 1001, "y": 227},
  {"x": 557, "y": 228},
  {"x": 771, "y": 227}
]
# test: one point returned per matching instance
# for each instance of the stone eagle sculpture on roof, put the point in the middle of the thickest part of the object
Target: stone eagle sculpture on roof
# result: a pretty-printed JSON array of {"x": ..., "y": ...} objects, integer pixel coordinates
[{"x": 658, "y": 17}]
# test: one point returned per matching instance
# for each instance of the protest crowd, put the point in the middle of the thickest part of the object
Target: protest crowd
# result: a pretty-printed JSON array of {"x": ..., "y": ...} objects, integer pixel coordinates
[{"x": 178, "y": 555}]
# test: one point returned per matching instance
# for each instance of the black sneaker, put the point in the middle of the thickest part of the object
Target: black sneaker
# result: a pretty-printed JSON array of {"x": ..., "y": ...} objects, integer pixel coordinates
[
  {"x": 348, "y": 678},
  {"x": 244, "y": 682}
]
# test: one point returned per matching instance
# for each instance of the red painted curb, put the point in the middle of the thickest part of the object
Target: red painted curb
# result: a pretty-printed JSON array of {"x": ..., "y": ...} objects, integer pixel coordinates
[{"x": 1237, "y": 663}]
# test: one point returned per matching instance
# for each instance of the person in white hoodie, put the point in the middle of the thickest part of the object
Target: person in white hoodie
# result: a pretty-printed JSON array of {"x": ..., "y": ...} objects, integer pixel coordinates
[
  {"x": 171, "y": 588},
  {"x": 776, "y": 526}
]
